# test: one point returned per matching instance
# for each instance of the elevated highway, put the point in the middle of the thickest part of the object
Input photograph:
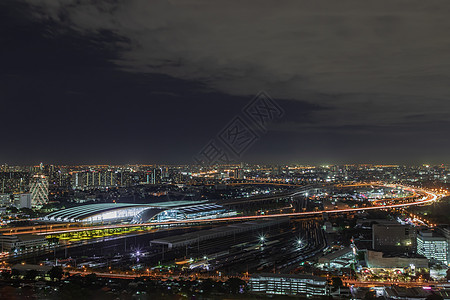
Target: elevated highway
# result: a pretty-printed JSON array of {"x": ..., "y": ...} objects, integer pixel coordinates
[
  {"x": 300, "y": 191},
  {"x": 427, "y": 197},
  {"x": 55, "y": 229}
]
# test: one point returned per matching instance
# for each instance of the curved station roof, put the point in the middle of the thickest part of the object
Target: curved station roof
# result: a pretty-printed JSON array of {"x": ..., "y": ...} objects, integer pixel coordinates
[
  {"x": 139, "y": 213},
  {"x": 85, "y": 211}
]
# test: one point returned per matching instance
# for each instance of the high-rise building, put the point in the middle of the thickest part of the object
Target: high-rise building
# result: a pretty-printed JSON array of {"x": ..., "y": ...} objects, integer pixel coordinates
[
  {"x": 39, "y": 190},
  {"x": 93, "y": 179},
  {"x": 393, "y": 237},
  {"x": 77, "y": 180},
  {"x": 432, "y": 246},
  {"x": 22, "y": 200},
  {"x": 239, "y": 173},
  {"x": 165, "y": 172},
  {"x": 13, "y": 181},
  {"x": 156, "y": 176},
  {"x": 5, "y": 200},
  {"x": 445, "y": 231}
]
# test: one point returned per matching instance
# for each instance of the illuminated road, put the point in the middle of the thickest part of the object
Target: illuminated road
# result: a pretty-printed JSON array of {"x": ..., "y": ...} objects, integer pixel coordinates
[
  {"x": 357, "y": 283},
  {"x": 428, "y": 198},
  {"x": 37, "y": 228}
]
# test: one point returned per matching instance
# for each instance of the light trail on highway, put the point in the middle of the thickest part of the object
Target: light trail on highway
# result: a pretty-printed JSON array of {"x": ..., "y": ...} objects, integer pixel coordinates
[
  {"x": 430, "y": 197},
  {"x": 409, "y": 284}
]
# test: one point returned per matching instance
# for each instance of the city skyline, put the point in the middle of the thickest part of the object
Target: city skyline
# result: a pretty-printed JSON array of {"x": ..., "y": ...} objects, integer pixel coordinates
[
  {"x": 134, "y": 82},
  {"x": 197, "y": 149},
  {"x": 255, "y": 230}
]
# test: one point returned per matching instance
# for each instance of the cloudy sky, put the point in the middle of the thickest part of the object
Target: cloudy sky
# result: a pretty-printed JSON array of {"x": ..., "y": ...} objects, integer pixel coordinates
[{"x": 137, "y": 81}]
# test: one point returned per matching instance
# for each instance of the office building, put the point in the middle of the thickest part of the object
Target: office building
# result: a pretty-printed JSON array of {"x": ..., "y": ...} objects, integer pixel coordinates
[
  {"x": 286, "y": 284},
  {"x": 39, "y": 190},
  {"x": 155, "y": 176},
  {"x": 22, "y": 200},
  {"x": 393, "y": 238},
  {"x": 10, "y": 243},
  {"x": 239, "y": 173},
  {"x": 102, "y": 178},
  {"x": 5, "y": 200},
  {"x": 433, "y": 246}
]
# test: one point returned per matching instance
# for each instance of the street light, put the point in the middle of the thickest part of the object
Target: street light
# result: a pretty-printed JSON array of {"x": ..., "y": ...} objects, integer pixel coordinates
[{"x": 262, "y": 239}]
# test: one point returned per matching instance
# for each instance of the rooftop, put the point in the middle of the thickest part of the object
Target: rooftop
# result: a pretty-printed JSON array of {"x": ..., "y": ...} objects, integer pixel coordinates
[{"x": 85, "y": 211}]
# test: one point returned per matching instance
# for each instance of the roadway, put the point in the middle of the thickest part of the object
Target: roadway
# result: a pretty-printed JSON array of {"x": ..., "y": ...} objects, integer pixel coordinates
[
  {"x": 408, "y": 284},
  {"x": 427, "y": 198}
]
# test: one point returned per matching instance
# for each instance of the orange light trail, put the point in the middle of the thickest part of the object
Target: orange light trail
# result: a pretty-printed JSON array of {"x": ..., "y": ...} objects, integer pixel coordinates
[{"x": 430, "y": 197}]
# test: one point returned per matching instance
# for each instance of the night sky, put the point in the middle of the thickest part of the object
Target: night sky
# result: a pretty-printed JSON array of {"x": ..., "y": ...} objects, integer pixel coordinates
[{"x": 138, "y": 81}]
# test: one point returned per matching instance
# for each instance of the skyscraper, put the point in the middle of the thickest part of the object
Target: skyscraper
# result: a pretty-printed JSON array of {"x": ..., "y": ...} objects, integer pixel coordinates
[
  {"x": 156, "y": 176},
  {"x": 39, "y": 190}
]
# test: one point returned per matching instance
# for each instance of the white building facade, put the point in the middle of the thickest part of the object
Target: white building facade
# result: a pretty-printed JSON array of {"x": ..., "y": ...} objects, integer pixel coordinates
[
  {"x": 286, "y": 284},
  {"x": 432, "y": 246}
]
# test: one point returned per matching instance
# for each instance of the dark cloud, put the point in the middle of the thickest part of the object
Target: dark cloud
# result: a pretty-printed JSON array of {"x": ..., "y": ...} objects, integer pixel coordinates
[{"x": 153, "y": 81}]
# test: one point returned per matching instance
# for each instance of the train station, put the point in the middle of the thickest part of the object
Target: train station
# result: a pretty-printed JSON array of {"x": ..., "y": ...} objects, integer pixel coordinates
[{"x": 114, "y": 213}]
